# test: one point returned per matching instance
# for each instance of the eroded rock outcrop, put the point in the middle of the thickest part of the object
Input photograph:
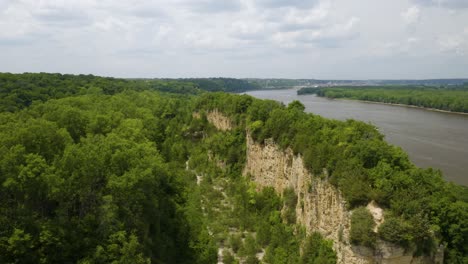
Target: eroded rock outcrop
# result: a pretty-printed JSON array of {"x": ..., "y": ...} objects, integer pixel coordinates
[
  {"x": 219, "y": 120},
  {"x": 320, "y": 206}
]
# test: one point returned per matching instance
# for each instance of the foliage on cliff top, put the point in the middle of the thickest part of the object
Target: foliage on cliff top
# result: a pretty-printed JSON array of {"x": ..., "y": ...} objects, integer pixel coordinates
[{"x": 353, "y": 156}]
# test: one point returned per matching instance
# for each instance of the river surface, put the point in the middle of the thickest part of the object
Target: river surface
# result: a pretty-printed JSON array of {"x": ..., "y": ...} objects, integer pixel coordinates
[{"x": 431, "y": 139}]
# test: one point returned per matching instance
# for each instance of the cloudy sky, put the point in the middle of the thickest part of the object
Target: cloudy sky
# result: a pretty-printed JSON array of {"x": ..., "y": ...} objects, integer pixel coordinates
[{"x": 324, "y": 39}]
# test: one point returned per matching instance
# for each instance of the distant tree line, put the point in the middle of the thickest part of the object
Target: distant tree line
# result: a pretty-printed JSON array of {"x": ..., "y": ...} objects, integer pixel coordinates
[
  {"x": 448, "y": 98},
  {"x": 223, "y": 84},
  {"x": 18, "y": 91},
  {"x": 278, "y": 83}
]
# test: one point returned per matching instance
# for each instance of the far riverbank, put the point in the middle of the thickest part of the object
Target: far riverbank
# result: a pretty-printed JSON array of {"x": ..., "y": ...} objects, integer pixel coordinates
[{"x": 393, "y": 104}]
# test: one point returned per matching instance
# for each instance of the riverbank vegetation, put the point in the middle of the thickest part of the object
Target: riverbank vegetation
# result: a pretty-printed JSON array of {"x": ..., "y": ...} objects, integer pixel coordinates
[
  {"x": 113, "y": 170},
  {"x": 450, "y": 98}
]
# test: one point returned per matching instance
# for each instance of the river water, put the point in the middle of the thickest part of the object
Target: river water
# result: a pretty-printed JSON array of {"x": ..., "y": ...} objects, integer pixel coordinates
[{"x": 431, "y": 139}]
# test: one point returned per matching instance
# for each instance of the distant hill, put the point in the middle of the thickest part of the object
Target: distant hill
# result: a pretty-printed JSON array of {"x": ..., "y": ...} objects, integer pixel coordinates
[{"x": 223, "y": 84}]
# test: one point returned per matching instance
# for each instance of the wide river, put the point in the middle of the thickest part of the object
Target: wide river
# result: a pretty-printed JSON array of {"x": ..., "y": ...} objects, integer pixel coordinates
[{"x": 432, "y": 139}]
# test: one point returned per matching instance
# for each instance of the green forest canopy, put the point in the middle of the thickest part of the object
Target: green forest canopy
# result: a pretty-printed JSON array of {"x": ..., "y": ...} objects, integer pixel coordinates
[
  {"x": 21, "y": 90},
  {"x": 99, "y": 174}
]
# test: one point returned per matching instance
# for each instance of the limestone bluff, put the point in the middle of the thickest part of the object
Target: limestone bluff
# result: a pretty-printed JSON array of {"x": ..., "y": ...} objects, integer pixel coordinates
[{"x": 320, "y": 205}]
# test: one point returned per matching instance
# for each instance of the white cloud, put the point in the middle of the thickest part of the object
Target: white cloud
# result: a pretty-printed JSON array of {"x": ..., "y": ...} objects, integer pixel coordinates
[
  {"x": 295, "y": 16},
  {"x": 286, "y": 3},
  {"x": 412, "y": 40},
  {"x": 109, "y": 24},
  {"x": 252, "y": 30},
  {"x": 444, "y": 3},
  {"x": 307, "y": 17},
  {"x": 10, "y": 27},
  {"x": 333, "y": 36},
  {"x": 396, "y": 47},
  {"x": 411, "y": 15},
  {"x": 249, "y": 37},
  {"x": 211, "y": 6},
  {"x": 453, "y": 44}
]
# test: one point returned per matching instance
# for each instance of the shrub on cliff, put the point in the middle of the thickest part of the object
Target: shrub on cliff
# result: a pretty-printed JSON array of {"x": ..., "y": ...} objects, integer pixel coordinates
[
  {"x": 318, "y": 250},
  {"x": 395, "y": 230},
  {"x": 362, "y": 224}
]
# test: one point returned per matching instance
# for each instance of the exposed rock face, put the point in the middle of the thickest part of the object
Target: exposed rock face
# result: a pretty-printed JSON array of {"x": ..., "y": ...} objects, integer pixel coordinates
[
  {"x": 219, "y": 120},
  {"x": 377, "y": 213},
  {"x": 388, "y": 253},
  {"x": 320, "y": 207}
]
